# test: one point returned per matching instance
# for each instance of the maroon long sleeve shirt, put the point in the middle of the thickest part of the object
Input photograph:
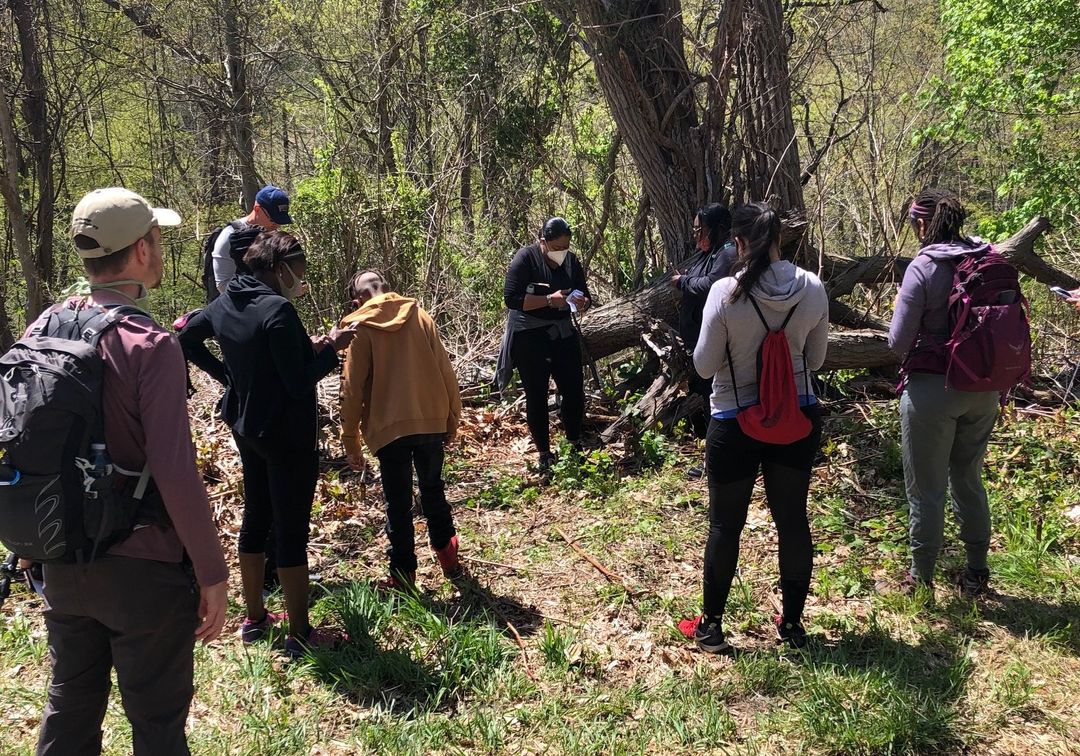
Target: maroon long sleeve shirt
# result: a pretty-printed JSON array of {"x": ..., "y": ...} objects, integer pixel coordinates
[{"x": 144, "y": 400}]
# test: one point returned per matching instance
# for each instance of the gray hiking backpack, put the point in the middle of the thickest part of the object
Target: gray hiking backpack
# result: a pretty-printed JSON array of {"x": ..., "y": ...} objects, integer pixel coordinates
[{"x": 53, "y": 508}]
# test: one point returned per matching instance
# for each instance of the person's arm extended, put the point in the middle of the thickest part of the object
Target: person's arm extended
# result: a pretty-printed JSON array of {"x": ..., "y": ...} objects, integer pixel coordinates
[
  {"x": 224, "y": 265},
  {"x": 353, "y": 382},
  {"x": 908, "y": 311},
  {"x": 171, "y": 457},
  {"x": 710, "y": 354},
  {"x": 817, "y": 340},
  {"x": 193, "y": 339},
  {"x": 289, "y": 343}
]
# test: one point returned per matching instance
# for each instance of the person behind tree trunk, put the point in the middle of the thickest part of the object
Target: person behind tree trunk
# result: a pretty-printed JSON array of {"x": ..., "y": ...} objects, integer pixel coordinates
[
  {"x": 944, "y": 433},
  {"x": 139, "y": 609},
  {"x": 715, "y": 254},
  {"x": 400, "y": 390},
  {"x": 727, "y": 351},
  {"x": 270, "y": 370},
  {"x": 540, "y": 339}
]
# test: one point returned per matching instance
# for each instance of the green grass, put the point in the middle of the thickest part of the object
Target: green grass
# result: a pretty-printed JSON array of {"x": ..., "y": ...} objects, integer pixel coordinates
[{"x": 604, "y": 671}]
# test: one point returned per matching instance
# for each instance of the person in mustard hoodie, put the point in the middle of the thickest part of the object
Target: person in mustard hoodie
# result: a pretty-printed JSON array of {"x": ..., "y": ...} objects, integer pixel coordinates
[{"x": 400, "y": 392}]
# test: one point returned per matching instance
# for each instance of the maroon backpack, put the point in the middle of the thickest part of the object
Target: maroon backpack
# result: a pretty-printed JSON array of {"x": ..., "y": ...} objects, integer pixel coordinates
[
  {"x": 777, "y": 418},
  {"x": 989, "y": 344}
]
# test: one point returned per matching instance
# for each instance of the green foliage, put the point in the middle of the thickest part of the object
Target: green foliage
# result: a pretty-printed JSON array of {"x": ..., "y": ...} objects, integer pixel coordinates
[
  {"x": 593, "y": 472},
  {"x": 1012, "y": 70}
]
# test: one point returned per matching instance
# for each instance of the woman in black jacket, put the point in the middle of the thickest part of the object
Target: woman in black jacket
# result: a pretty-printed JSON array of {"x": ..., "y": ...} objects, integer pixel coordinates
[
  {"x": 545, "y": 280},
  {"x": 270, "y": 370},
  {"x": 714, "y": 255}
]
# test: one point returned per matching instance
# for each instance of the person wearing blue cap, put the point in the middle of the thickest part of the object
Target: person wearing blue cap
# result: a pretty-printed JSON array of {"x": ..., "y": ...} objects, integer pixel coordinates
[{"x": 226, "y": 246}]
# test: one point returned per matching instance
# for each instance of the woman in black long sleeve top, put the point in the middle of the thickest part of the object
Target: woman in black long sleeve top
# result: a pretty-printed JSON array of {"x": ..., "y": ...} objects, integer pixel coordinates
[
  {"x": 541, "y": 340},
  {"x": 270, "y": 370},
  {"x": 713, "y": 260}
]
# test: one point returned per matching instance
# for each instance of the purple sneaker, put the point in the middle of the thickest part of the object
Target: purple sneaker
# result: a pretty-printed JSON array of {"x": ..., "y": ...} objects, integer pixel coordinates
[{"x": 253, "y": 632}]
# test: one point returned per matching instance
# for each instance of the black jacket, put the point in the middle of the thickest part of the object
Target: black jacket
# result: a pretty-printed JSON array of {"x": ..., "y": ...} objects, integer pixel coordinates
[
  {"x": 529, "y": 267},
  {"x": 270, "y": 367},
  {"x": 703, "y": 270}
]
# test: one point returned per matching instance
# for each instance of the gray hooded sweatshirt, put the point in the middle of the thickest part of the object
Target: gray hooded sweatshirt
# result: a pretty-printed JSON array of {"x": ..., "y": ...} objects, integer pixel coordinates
[
  {"x": 736, "y": 327},
  {"x": 920, "y": 321}
]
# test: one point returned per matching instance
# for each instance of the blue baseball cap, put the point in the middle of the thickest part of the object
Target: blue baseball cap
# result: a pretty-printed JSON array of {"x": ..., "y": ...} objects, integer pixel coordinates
[{"x": 276, "y": 204}]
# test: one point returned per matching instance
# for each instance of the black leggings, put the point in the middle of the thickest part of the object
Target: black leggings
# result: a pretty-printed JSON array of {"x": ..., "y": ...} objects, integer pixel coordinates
[
  {"x": 539, "y": 358},
  {"x": 279, "y": 487},
  {"x": 733, "y": 460}
]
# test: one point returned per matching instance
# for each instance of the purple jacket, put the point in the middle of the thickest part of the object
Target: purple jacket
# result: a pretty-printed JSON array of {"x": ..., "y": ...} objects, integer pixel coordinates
[{"x": 920, "y": 323}]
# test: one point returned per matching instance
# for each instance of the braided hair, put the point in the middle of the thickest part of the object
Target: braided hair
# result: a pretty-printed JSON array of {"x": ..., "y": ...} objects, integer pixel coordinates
[
  {"x": 758, "y": 226},
  {"x": 942, "y": 214}
]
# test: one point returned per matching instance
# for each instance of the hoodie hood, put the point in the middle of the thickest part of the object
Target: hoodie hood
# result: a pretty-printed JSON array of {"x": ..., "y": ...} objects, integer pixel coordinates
[
  {"x": 245, "y": 287},
  {"x": 782, "y": 286},
  {"x": 949, "y": 250},
  {"x": 386, "y": 312}
]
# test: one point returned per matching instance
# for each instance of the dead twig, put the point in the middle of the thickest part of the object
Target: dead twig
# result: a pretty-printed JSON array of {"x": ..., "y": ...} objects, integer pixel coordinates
[{"x": 588, "y": 558}]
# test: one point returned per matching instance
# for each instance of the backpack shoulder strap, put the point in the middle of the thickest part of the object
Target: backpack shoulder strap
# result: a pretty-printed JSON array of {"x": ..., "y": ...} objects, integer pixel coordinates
[
  {"x": 764, "y": 322},
  {"x": 108, "y": 317},
  {"x": 87, "y": 324}
]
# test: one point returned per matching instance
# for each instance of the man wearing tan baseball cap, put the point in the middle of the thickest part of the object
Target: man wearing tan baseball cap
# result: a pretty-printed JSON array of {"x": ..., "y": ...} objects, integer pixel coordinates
[{"x": 141, "y": 607}]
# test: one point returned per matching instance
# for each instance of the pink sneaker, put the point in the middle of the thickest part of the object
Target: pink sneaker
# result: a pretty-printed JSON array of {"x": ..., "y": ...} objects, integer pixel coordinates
[{"x": 252, "y": 631}]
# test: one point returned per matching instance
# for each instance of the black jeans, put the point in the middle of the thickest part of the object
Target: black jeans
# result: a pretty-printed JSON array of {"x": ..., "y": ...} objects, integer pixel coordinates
[
  {"x": 137, "y": 616},
  {"x": 732, "y": 463},
  {"x": 539, "y": 358},
  {"x": 396, "y": 462},
  {"x": 279, "y": 487}
]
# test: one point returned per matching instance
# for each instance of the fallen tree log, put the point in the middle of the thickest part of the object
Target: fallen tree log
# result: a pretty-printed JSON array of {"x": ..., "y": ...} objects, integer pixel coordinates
[{"x": 619, "y": 324}]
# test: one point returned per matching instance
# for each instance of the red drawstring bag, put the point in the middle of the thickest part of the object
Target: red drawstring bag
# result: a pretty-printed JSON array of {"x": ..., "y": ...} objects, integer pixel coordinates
[{"x": 777, "y": 417}]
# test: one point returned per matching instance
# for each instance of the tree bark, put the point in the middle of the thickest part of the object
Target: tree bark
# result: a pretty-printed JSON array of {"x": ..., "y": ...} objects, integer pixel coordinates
[
  {"x": 637, "y": 49},
  {"x": 242, "y": 108},
  {"x": 16, "y": 214},
  {"x": 771, "y": 150},
  {"x": 36, "y": 116}
]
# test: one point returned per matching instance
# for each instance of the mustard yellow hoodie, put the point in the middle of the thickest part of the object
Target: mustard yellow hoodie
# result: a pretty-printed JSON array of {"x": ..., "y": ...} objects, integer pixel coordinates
[{"x": 398, "y": 380}]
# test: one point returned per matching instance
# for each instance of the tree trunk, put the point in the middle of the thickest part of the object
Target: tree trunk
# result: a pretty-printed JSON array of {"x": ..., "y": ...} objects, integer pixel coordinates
[
  {"x": 242, "y": 110},
  {"x": 637, "y": 49},
  {"x": 36, "y": 116},
  {"x": 16, "y": 215},
  {"x": 771, "y": 151}
]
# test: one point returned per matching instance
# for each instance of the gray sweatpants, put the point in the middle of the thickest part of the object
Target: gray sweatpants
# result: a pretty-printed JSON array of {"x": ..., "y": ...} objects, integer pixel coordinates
[{"x": 944, "y": 434}]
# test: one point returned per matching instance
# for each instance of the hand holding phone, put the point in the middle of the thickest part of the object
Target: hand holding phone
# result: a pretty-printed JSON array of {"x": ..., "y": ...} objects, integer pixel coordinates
[{"x": 1061, "y": 292}]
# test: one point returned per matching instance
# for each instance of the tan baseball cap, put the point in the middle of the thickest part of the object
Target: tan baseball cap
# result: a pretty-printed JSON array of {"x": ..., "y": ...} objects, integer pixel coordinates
[{"x": 114, "y": 218}]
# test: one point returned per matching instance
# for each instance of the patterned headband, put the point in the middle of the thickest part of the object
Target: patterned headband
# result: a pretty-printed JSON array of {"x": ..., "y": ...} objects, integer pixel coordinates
[{"x": 921, "y": 212}]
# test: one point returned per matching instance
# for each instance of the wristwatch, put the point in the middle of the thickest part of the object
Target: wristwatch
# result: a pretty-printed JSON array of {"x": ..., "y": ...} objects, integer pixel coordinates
[{"x": 548, "y": 300}]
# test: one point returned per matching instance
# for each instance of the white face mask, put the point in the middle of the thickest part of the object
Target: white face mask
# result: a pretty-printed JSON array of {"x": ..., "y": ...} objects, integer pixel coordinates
[
  {"x": 557, "y": 256},
  {"x": 294, "y": 289}
]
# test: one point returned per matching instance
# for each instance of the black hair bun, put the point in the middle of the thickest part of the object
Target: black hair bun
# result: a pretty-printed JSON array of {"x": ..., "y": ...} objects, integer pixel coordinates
[{"x": 555, "y": 228}]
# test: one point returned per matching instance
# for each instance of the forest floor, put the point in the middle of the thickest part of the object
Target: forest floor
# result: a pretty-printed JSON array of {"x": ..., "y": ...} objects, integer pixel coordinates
[{"x": 541, "y": 651}]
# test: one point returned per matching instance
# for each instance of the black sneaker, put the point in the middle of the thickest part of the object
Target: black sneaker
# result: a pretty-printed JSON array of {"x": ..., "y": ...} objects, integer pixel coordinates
[
  {"x": 791, "y": 633},
  {"x": 973, "y": 583},
  {"x": 547, "y": 459},
  {"x": 695, "y": 473},
  {"x": 708, "y": 635}
]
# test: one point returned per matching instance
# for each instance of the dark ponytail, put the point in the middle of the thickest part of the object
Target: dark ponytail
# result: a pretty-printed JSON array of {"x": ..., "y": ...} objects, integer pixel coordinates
[
  {"x": 942, "y": 213},
  {"x": 758, "y": 226}
]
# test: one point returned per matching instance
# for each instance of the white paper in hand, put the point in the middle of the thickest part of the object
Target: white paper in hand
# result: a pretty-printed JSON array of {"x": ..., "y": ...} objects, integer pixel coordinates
[{"x": 576, "y": 296}]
